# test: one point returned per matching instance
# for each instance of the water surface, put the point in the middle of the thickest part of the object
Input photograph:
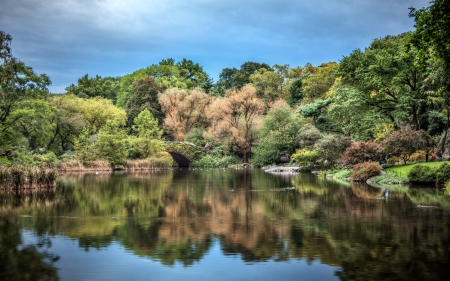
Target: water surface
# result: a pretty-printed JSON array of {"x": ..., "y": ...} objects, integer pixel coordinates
[{"x": 222, "y": 224}]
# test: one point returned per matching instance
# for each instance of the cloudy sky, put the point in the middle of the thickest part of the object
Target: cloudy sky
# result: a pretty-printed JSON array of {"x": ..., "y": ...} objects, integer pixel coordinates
[{"x": 68, "y": 38}]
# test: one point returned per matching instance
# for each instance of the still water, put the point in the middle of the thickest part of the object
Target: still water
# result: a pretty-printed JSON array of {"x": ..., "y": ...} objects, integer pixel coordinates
[{"x": 222, "y": 224}]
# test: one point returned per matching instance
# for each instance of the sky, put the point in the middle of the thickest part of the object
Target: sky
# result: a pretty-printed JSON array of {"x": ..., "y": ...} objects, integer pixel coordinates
[{"x": 67, "y": 39}]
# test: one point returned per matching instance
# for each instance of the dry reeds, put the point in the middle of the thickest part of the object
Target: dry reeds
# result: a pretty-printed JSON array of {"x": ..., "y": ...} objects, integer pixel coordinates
[
  {"x": 20, "y": 177},
  {"x": 151, "y": 163},
  {"x": 74, "y": 165}
]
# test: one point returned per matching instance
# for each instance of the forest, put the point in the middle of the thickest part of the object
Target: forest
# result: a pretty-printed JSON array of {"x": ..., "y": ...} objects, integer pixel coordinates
[{"x": 390, "y": 101}]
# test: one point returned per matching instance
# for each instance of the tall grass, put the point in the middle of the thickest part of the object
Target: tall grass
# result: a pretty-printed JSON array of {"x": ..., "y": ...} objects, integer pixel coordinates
[
  {"x": 74, "y": 165},
  {"x": 20, "y": 177},
  {"x": 151, "y": 163}
]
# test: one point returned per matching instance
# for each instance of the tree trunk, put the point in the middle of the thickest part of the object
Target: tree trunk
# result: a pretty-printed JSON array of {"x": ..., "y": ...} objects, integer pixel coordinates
[{"x": 446, "y": 133}]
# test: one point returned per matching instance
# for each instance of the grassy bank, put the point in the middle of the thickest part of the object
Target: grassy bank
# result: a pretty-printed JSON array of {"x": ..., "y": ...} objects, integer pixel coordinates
[{"x": 403, "y": 170}]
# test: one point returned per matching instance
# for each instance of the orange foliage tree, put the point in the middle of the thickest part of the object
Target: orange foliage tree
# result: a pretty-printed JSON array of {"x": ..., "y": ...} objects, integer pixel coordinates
[
  {"x": 184, "y": 110},
  {"x": 236, "y": 116}
]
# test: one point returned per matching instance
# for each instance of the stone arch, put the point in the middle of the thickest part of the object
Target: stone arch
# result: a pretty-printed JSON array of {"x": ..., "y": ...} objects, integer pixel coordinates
[{"x": 181, "y": 160}]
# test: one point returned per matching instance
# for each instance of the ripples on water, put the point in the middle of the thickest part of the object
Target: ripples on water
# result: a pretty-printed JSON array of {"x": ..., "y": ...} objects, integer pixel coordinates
[{"x": 222, "y": 225}]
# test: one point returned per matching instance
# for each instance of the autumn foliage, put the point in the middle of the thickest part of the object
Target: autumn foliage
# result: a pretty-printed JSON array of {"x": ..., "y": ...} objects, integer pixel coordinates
[
  {"x": 184, "y": 110},
  {"x": 405, "y": 141},
  {"x": 364, "y": 171},
  {"x": 362, "y": 151},
  {"x": 236, "y": 116}
]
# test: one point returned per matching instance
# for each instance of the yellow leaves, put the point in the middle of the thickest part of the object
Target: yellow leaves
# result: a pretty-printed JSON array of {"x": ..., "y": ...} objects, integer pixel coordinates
[
  {"x": 382, "y": 130},
  {"x": 332, "y": 91},
  {"x": 373, "y": 93}
]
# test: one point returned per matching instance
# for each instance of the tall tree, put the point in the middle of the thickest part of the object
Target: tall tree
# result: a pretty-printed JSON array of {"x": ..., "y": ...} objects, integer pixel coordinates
[
  {"x": 110, "y": 144},
  {"x": 432, "y": 38},
  {"x": 145, "y": 96},
  {"x": 184, "y": 110},
  {"x": 72, "y": 114},
  {"x": 89, "y": 87},
  {"x": 68, "y": 120},
  {"x": 236, "y": 116},
  {"x": 278, "y": 134},
  {"x": 387, "y": 78},
  {"x": 148, "y": 140},
  {"x": 181, "y": 75},
  {"x": 233, "y": 78},
  {"x": 19, "y": 84},
  {"x": 432, "y": 34},
  {"x": 272, "y": 84},
  {"x": 316, "y": 85}
]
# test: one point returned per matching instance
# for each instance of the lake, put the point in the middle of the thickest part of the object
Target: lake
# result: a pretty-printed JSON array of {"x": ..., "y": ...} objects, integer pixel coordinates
[{"x": 222, "y": 224}]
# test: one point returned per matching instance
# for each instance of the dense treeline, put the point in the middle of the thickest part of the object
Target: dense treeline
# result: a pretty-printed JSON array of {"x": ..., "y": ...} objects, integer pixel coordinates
[{"x": 390, "y": 99}]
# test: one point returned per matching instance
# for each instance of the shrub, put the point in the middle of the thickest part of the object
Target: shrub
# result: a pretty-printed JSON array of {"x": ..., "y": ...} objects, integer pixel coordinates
[
  {"x": 443, "y": 173},
  {"x": 418, "y": 156},
  {"x": 331, "y": 148},
  {"x": 364, "y": 171},
  {"x": 305, "y": 156},
  {"x": 405, "y": 141},
  {"x": 421, "y": 173},
  {"x": 393, "y": 160},
  {"x": 210, "y": 161},
  {"x": 362, "y": 151}
]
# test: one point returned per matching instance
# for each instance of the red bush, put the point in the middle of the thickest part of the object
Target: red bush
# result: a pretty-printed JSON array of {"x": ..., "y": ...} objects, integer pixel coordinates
[
  {"x": 364, "y": 171},
  {"x": 362, "y": 151}
]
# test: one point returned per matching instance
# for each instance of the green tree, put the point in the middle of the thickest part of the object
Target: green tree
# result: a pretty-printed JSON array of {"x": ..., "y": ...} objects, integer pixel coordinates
[
  {"x": 145, "y": 96},
  {"x": 305, "y": 156},
  {"x": 233, "y": 78},
  {"x": 83, "y": 147},
  {"x": 387, "y": 79},
  {"x": 73, "y": 113},
  {"x": 316, "y": 85},
  {"x": 20, "y": 88},
  {"x": 352, "y": 112},
  {"x": 432, "y": 34},
  {"x": 308, "y": 135},
  {"x": 296, "y": 92},
  {"x": 181, "y": 75},
  {"x": 68, "y": 120},
  {"x": 148, "y": 141},
  {"x": 106, "y": 87},
  {"x": 110, "y": 144},
  {"x": 97, "y": 111},
  {"x": 272, "y": 84},
  {"x": 278, "y": 134},
  {"x": 314, "y": 110}
]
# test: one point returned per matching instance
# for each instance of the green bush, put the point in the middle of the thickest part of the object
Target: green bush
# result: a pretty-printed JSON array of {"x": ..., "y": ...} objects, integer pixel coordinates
[
  {"x": 210, "y": 161},
  {"x": 48, "y": 159},
  {"x": 421, "y": 173},
  {"x": 366, "y": 170},
  {"x": 443, "y": 173},
  {"x": 305, "y": 156}
]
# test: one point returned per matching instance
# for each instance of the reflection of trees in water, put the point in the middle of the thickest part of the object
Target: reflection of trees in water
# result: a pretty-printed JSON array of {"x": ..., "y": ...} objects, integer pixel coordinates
[
  {"x": 175, "y": 220},
  {"x": 23, "y": 262}
]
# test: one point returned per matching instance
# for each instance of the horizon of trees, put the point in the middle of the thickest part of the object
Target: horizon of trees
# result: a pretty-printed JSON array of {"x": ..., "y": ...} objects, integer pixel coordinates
[{"x": 262, "y": 112}]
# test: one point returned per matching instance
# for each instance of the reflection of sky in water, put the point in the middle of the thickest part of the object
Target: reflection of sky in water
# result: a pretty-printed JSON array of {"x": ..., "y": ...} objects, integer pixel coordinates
[{"x": 116, "y": 263}]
